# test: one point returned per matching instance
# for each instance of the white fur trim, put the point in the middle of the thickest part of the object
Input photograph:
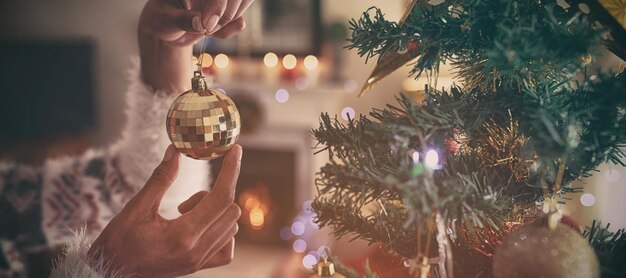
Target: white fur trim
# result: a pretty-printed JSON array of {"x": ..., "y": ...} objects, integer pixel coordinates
[
  {"x": 77, "y": 263},
  {"x": 144, "y": 141}
]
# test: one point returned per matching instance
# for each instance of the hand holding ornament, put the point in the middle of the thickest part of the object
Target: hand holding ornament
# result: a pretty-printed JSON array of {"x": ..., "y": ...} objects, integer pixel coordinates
[{"x": 138, "y": 241}]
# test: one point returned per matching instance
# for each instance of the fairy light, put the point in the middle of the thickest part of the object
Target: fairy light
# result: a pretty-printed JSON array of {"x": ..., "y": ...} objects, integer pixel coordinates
[
  {"x": 297, "y": 228},
  {"x": 302, "y": 83},
  {"x": 206, "y": 59},
  {"x": 281, "y": 96},
  {"x": 348, "y": 113},
  {"x": 587, "y": 199},
  {"x": 431, "y": 159},
  {"x": 221, "y": 61},
  {"x": 299, "y": 245},
  {"x": 290, "y": 61},
  {"x": 257, "y": 218},
  {"x": 350, "y": 86},
  {"x": 309, "y": 261},
  {"x": 310, "y": 62},
  {"x": 270, "y": 59}
]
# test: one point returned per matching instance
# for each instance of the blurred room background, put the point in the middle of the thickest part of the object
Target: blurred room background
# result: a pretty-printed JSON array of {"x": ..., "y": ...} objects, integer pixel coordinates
[{"x": 283, "y": 71}]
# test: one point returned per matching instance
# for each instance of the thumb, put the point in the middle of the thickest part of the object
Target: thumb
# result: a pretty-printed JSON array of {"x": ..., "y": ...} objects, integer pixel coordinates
[{"x": 161, "y": 179}]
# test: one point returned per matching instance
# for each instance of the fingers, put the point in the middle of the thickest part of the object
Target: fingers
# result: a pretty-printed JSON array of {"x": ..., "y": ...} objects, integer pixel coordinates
[
  {"x": 243, "y": 7},
  {"x": 190, "y": 203},
  {"x": 225, "y": 227},
  {"x": 183, "y": 19},
  {"x": 233, "y": 28},
  {"x": 229, "y": 13},
  {"x": 161, "y": 179},
  {"x": 212, "y": 12},
  {"x": 222, "y": 196},
  {"x": 223, "y": 257}
]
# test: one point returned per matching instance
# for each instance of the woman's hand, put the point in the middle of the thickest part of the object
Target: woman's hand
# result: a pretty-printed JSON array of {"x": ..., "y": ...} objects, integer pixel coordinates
[
  {"x": 183, "y": 22},
  {"x": 139, "y": 241},
  {"x": 168, "y": 29}
]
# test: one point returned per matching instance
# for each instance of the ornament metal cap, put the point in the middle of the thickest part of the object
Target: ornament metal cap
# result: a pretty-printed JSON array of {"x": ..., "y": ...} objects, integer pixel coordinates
[
  {"x": 325, "y": 268},
  {"x": 198, "y": 81}
]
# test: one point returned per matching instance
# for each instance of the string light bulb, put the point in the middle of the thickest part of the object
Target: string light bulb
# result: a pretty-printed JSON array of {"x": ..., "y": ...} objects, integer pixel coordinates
[
  {"x": 310, "y": 62},
  {"x": 431, "y": 159},
  {"x": 270, "y": 59},
  {"x": 221, "y": 61},
  {"x": 290, "y": 61}
]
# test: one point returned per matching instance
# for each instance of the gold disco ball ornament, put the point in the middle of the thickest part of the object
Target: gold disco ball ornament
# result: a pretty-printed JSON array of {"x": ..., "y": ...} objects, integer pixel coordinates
[{"x": 203, "y": 123}]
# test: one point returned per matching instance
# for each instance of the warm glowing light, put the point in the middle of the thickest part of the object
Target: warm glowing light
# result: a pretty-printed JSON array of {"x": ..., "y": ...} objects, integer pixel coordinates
[
  {"x": 281, "y": 96},
  {"x": 206, "y": 60},
  {"x": 257, "y": 218},
  {"x": 411, "y": 85},
  {"x": 432, "y": 159},
  {"x": 297, "y": 228},
  {"x": 270, "y": 60},
  {"x": 587, "y": 199},
  {"x": 348, "y": 113},
  {"x": 309, "y": 261},
  {"x": 251, "y": 203},
  {"x": 310, "y": 62},
  {"x": 221, "y": 61},
  {"x": 299, "y": 246},
  {"x": 290, "y": 61}
]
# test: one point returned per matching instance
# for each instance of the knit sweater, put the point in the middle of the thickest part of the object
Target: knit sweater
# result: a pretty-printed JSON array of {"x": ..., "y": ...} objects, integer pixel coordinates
[{"x": 69, "y": 200}]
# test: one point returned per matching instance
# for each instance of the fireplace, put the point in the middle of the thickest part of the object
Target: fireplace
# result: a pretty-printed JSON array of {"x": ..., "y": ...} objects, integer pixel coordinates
[{"x": 274, "y": 182}]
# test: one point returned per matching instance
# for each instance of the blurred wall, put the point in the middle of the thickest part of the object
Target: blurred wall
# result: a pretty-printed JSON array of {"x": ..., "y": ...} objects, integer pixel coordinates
[{"x": 110, "y": 23}]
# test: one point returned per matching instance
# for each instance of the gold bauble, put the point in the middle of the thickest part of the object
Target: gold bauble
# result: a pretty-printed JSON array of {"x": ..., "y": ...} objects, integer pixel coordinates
[
  {"x": 203, "y": 123},
  {"x": 537, "y": 250}
]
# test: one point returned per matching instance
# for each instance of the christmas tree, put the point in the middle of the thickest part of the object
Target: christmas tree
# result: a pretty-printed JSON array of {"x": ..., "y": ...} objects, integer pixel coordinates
[{"x": 443, "y": 182}]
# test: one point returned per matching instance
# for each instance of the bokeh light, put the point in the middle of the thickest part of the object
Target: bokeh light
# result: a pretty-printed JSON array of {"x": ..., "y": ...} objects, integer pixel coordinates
[
  {"x": 290, "y": 61},
  {"x": 587, "y": 199},
  {"x": 281, "y": 96},
  {"x": 299, "y": 245},
  {"x": 221, "y": 61},
  {"x": 302, "y": 83},
  {"x": 432, "y": 159},
  {"x": 310, "y": 62},
  {"x": 350, "y": 86},
  {"x": 297, "y": 228},
  {"x": 270, "y": 59},
  {"x": 348, "y": 113},
  {"x": 257, "y": 218},
  {"x": 206, "y": 60},
  {"x": 309, "y": 261}
]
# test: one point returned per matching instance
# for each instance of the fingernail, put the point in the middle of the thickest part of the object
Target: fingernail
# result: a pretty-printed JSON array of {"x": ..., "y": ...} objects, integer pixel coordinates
[
  {"x": 169, "y": 153},
  {"x": 239, "y": 153},
  {"x": 197, "y": 24},
  {"x": 212, "y": 23}
]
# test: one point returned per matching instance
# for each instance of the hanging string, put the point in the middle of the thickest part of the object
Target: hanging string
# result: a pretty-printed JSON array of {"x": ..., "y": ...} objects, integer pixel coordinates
[{"x": 201, "y": 58}]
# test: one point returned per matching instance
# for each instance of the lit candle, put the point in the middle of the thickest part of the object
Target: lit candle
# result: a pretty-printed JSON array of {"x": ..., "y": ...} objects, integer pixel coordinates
[
  {"x": 311, "y": 65},
  {"x": 270, "y": 73}
]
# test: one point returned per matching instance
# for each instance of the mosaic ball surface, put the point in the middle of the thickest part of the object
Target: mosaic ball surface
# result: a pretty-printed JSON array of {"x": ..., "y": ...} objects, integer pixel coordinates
[
  {"x": 203, "y": 124},
  {"x": 535, "y": 250}
]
